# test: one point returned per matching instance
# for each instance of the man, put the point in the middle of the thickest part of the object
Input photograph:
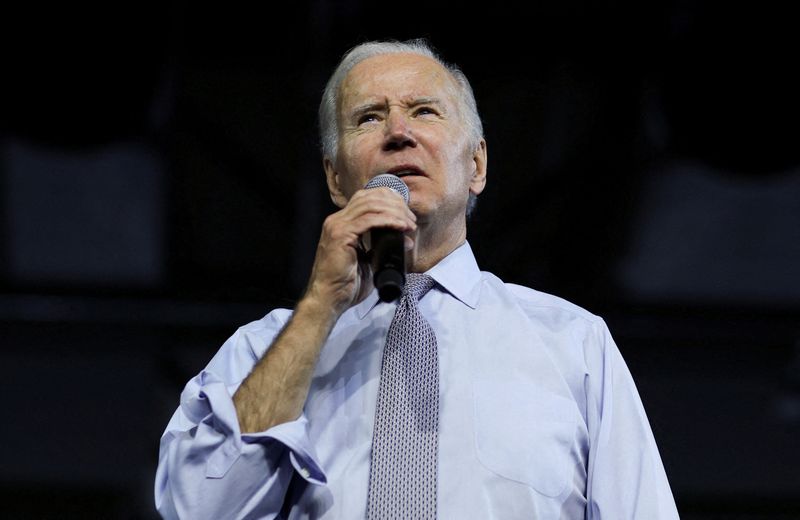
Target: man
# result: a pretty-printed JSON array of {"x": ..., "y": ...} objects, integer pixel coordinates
[{"x": 533, "y": 413}]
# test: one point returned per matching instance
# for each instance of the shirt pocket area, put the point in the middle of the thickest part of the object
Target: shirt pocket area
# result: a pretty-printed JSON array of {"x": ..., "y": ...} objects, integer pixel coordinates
[{"x": 525, "y": 433}]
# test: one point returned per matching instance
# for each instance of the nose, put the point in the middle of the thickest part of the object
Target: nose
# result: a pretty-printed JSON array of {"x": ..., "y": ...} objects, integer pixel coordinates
[{"x": 398, "y": 134}]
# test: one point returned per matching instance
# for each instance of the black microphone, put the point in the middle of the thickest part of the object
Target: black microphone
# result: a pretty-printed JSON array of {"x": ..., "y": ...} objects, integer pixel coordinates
[{"x": 388, "y": 252}]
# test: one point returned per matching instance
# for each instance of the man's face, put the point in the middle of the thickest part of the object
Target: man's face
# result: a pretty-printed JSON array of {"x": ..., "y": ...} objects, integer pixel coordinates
[{"x": 400, "y": 113}]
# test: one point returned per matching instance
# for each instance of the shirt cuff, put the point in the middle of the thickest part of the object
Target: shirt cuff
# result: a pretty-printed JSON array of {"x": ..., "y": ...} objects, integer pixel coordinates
[
  {"x": 294, "y": 435},
  {"x": 207, "y": 402}
]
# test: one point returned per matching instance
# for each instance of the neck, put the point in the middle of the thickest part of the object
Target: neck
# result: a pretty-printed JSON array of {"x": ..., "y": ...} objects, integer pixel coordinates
[{"x": 433, "y": 244}]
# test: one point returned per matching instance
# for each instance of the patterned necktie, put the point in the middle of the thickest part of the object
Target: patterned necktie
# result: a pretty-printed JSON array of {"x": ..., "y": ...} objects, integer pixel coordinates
[{"x": 402, "y": 478}]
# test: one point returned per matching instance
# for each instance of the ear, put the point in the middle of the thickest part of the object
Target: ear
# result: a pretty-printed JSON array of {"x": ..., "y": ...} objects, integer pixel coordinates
[
  {"x": 478, "y": 180},
  {"x": 334, "y": 188}
]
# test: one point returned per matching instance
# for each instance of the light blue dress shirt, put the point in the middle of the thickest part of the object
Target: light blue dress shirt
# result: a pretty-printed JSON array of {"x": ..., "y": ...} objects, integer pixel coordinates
[{"x": 539, "y": 417}]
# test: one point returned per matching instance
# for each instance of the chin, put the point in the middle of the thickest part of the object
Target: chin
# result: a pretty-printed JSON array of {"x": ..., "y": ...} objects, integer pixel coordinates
[
  {"x": 424, "y": 211},
  {"x": 420, "y": 210}
]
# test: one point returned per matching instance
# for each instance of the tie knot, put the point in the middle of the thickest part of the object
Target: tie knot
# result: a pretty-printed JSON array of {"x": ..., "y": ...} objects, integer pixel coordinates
[{"x": 417, "y": 284}]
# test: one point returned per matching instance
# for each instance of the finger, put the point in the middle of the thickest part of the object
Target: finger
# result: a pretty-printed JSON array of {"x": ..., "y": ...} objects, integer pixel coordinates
[
  {"x": 367, "y": 221},
  {"x": 391, "y": 213},
  {"x": 381, "y": 197}
]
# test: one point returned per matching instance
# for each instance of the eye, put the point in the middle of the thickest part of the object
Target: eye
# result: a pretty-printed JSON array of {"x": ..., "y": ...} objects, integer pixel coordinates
[
  {"x": 368, "y": 118},
  {"x": 425, "y": 111}
]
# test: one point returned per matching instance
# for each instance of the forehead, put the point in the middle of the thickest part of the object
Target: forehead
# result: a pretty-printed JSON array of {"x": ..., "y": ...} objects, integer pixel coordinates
[{"x": 396, "y": 77}]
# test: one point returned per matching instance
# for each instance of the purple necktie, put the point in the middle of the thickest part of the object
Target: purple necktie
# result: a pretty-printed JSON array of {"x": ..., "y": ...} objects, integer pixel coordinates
[{"x": 402, "y": 477}]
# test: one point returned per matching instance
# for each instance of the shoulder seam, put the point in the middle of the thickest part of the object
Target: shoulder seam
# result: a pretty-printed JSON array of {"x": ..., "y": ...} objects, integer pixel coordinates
[{"x": 518, "y": 291}]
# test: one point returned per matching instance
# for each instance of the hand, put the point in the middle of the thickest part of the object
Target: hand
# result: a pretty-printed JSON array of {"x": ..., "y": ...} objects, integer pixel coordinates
[{"x": 341, "y": 276}]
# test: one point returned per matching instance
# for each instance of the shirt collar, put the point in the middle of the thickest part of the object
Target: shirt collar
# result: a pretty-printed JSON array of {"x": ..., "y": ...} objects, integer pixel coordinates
[{"x": 457, "y": 273}]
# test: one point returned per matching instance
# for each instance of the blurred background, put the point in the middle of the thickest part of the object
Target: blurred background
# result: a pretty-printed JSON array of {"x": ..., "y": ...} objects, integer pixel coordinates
[{"x": 160, "y": 185}]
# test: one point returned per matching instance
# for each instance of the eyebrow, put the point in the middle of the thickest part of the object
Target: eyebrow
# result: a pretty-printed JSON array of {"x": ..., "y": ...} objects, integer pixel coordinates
[
  {"x": 367, "y": 108},
  {"x": 381, "y": 105},
  {"x": 426, "y": 101}
]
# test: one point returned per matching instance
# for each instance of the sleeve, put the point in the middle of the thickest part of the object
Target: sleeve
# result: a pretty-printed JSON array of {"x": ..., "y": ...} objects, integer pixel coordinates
[
  {"x": 626, "y": 478},
  {"x": 207, "y": 468}
]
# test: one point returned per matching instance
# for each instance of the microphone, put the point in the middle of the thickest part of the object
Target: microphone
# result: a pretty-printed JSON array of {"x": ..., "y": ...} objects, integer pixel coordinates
[{"x": 388, "y": 253}]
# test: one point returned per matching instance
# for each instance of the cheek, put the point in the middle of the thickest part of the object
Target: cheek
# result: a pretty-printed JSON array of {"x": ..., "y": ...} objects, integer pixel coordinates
[
  {"x": 352, "y": 176},
  {"x": 461, "y": 161},
  {"x": 463, "y": 169},
  {"x": 354, "y": 150}
]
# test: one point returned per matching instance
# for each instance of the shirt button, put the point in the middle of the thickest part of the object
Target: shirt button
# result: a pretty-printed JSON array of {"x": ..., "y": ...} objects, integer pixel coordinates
[{"x": 304, "y": 472}]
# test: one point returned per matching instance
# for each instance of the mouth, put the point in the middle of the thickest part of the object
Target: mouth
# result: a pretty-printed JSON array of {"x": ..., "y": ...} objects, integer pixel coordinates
[{"x": 406, "y": 171}]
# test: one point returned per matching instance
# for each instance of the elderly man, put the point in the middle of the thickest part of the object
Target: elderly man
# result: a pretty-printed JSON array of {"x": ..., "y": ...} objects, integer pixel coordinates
[{"x": 468, "y": 398}]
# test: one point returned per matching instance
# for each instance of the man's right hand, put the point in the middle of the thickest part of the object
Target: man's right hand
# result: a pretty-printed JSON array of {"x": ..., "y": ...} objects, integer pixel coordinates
[
  {"x": 276, "y": 389},
  {"x": 341, "y": 277}
]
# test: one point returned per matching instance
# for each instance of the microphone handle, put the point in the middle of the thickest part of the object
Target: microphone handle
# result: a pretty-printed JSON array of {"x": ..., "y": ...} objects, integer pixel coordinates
[{"x": 388, "y": 263}]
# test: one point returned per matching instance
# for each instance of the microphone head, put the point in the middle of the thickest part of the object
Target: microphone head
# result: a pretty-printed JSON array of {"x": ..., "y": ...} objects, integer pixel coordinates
[{"x": 388, "y": 180}]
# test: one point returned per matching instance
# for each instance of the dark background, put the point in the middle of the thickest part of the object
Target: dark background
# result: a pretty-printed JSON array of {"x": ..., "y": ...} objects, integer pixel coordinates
[{"x": 160, "y": 185}]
